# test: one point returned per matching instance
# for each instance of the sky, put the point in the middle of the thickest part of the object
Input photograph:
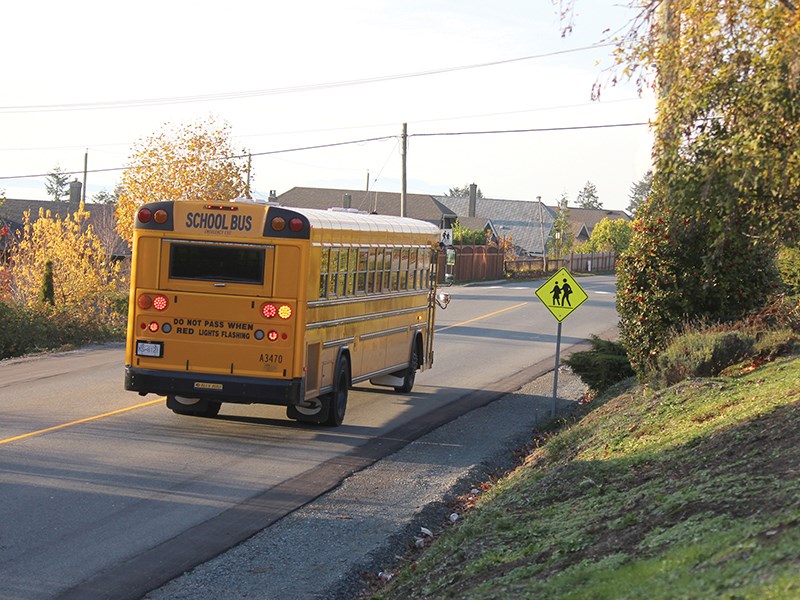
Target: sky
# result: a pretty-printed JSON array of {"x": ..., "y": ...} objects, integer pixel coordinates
[{"x": 89, "y": 79}]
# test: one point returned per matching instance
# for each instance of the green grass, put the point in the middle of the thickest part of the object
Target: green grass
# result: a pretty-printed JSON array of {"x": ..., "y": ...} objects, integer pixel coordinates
[{"x": 691, "y": 492}]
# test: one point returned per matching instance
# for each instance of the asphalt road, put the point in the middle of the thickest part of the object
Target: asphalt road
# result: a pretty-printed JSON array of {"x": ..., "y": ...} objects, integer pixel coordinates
[{"x": 106, "y": 494}]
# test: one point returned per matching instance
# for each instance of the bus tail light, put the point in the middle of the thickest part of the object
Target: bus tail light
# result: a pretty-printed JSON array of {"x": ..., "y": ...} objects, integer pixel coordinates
[
  {"x": 153, "y": 327},
  {"x": 158, "y": 302},
  {"x": 145, "y": 215},
  {"x": 160, "y": 216},
  {"x": 295, "y": 225},
  {"x": 272, "y": 336},
  {"x": 278, "y": 224},
  {"x": 270, "y": 311}
]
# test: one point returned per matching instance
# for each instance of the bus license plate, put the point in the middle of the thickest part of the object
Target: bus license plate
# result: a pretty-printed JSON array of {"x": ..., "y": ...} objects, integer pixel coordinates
[{"x": 150, "y": 349}]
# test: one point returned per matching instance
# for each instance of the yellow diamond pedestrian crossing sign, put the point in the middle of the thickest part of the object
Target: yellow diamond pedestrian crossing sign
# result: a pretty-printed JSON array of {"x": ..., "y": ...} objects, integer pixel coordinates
[{"x": 561, "y": 294}]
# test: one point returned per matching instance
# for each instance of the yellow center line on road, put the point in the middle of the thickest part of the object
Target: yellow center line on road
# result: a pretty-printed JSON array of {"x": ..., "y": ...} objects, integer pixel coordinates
[
  {"x": 79, "y": 421},
  {"x": 491, "y": 314}
]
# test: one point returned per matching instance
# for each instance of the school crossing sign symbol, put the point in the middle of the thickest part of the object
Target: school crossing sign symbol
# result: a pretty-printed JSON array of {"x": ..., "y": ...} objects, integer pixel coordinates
[{"x": 561, "y": 294}]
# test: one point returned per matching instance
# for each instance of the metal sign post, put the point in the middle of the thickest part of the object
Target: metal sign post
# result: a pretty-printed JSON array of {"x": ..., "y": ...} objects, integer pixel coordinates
[
  {"x": 555, "y": 372},
  {"x": 561, "y": 294}
]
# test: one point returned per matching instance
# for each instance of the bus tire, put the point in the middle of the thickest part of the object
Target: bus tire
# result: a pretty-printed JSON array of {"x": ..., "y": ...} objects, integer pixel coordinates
[
  {"x": 336, "y": 401},
  {"x": 310, "y": 411},
  {"x": 410, "y": 374},
  {"x": 199, "y": 408}
]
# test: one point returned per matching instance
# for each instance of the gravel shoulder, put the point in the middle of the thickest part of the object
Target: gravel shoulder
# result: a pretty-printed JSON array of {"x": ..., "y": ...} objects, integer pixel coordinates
[{"x": 335, "y": 544}]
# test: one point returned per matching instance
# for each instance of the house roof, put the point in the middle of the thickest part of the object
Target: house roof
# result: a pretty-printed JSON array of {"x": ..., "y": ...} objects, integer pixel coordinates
[
  {"x": 418, "y": 206},
  {"x": 528, "y": 223}
]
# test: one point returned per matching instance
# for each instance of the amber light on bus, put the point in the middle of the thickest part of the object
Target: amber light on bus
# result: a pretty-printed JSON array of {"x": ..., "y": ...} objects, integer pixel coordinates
[
  {"x": 278, "y": 224},
  {"x": 270, "y": 311}
]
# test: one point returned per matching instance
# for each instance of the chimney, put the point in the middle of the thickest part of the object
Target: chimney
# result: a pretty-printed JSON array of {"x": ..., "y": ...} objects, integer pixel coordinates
[
  {"x": 273, "y": 197},
  {"x": 473, "y": 199},
  {"x": 75, "y": 192},
  {"x": 347, "y": 201}
]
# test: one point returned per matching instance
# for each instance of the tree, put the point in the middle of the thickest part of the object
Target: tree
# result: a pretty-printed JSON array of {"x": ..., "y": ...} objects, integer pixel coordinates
[
  {"x": 611, "y": 235},
  {"x": 84, "y": 278},
  {"x": 562, "y": 238},
  {"x": 57, "y": 184},
  {"x": 462, "y": 192},
  {"x": 106, "y": 197},
  {"x": 464, "y": 236},
  {"x": 728, "y": 78},
  {"x": 191, "y": 162},
  {"x": 588, "y": 198},
  {"x": 726, "y": 162},
  {"x": 639, "y": 192}
]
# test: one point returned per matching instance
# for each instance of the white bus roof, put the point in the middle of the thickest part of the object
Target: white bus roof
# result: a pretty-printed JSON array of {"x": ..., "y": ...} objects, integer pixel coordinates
[{"x": 352, "y": 221}]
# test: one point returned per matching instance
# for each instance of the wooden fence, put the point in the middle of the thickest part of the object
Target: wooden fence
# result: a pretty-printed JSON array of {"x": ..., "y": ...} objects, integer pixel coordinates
[
  {"x": 472, "y": 263},
  {"x": 485, "y": 263},
  {"x": 597, "y": 262}
]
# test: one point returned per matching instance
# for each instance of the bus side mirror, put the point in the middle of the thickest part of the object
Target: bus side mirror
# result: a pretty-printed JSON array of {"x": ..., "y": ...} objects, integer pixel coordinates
[{"x": 442, "y": 299}]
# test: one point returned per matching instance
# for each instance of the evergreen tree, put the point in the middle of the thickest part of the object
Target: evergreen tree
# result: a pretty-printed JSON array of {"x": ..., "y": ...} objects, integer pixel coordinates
[
  {"x": 640, "y": 191},
  {"x": 57, "y": 184},
  {"x": 588, "y": 198}
]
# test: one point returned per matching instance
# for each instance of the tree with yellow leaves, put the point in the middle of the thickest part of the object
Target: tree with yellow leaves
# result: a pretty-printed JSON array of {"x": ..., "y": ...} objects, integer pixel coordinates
[
  {"x": 85, "y": 279},
  {"x": 181, "y": 163}
]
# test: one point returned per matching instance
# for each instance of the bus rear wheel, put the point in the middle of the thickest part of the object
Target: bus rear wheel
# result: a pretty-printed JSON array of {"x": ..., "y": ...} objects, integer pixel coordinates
[
  {"x": 193, "y": 407},
  {"x": 336, "y": 401},
  {"x": 410, "y": 374},
  {"x": 328, "y": 409}
]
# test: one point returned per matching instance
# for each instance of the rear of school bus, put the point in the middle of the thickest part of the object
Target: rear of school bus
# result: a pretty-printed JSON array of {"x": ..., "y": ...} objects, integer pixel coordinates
[{"x": 215, "y": 314}]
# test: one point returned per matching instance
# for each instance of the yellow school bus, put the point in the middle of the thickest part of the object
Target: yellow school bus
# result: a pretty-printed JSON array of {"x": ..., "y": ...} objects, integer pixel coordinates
[{"x": 251, "y": 302}]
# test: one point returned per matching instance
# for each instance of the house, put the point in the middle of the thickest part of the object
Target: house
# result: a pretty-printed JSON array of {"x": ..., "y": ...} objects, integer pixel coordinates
[{"x": 527, "y": 224}]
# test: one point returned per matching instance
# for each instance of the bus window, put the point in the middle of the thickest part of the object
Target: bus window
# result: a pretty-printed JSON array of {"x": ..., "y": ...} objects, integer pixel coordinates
[
  {"x": 332, "y": 272},
  {"x": 395, "y": 269},
  {"x": 403, "y": 269},
  {"x": 352, "y": 267},
  {"x": 371, "y": 271},
  {"x": 387, "y": 268},
  {"x": 341, "y": 285},
  {"x": 323, "y": 273},
  {"x": 217, "y": 262},
  {"x": 379, "y": 257},
  {"x": 361, "y": 272},
  {"x": 413, "y": 280}
]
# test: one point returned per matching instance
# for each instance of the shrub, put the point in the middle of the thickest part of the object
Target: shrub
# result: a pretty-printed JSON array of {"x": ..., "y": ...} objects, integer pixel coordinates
[
  {"x": 789, "y": 268},
  {"x": 601, "y": 367},
  {"x": 686, "y": 268},
  {"x": 24, "y": 330},
  {"x": 701, "y": 354}
]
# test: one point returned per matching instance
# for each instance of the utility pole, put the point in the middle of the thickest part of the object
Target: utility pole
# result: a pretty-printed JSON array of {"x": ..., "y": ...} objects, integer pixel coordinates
[
  {"x": 247, "y": 189},
  {"x": 85, "y": 171},
  {"x": 541, "y": 229},
  {"x": 404, "y": 141}
]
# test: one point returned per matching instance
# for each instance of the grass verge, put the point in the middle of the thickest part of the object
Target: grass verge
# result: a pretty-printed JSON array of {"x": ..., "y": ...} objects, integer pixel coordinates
[{"x": 691, "y": 492}]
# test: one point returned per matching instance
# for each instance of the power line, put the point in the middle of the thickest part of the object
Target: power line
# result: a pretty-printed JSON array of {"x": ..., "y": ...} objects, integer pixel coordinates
[
  {"x": 364, "y": 141},
  {"x": 145, "y": 102}
]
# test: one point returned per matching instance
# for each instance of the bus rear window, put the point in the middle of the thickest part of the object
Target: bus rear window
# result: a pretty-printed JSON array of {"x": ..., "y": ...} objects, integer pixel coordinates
[{"x": 217, "y": 262}]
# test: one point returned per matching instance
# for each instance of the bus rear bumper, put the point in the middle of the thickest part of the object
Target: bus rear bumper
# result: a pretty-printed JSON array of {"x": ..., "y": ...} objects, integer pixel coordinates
[{"x": 219, "y": 388}]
